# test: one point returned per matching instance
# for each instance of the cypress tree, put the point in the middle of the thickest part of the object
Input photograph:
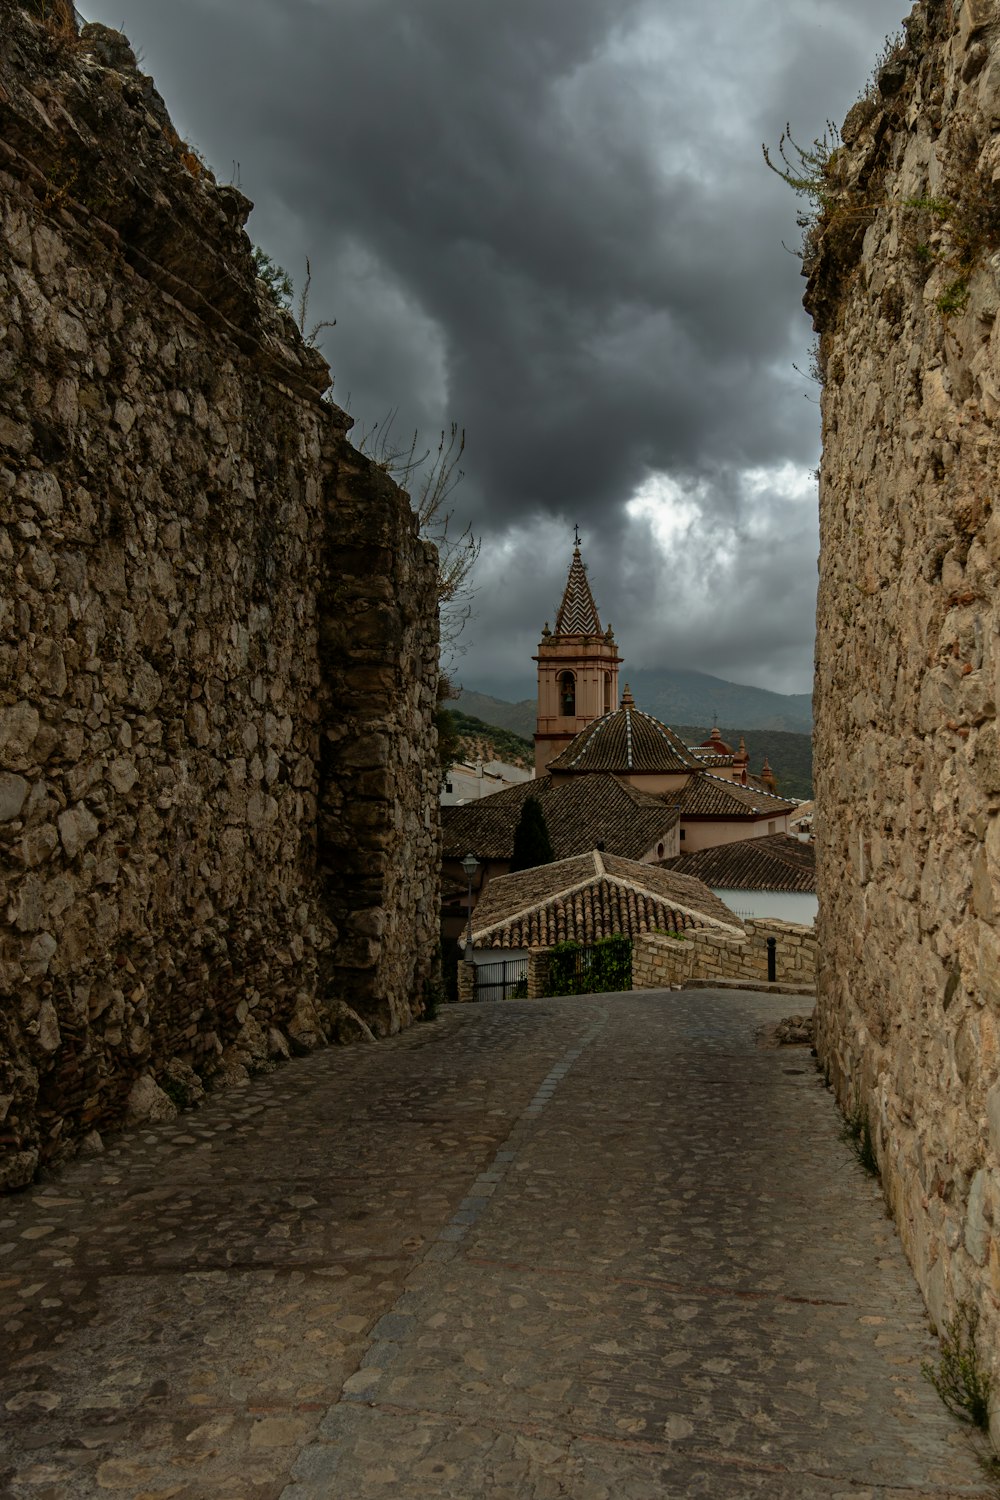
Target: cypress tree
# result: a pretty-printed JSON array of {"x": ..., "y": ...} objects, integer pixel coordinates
[{"x": 532, "y": 845}]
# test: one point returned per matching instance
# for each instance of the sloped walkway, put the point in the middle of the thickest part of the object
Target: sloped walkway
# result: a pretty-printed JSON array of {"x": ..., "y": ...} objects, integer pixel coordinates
[{"x": 605, "y": 1249}]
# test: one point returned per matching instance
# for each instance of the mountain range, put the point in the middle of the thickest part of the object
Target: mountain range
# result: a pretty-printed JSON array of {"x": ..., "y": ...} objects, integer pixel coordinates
[
  {"x": 776, "y": 725},
  {"x": 676, "y": 697}
]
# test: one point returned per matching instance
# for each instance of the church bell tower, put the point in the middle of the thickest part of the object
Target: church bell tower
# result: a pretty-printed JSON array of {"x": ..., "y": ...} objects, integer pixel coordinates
[{"x": 577, "y": 669}]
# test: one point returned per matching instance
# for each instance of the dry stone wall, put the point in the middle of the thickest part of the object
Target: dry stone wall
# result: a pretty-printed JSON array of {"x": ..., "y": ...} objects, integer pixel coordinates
[
  {"x": 705, "y": 956},
  {"x": 905, "y": 291},
  {"x": 218, "y": 639}
]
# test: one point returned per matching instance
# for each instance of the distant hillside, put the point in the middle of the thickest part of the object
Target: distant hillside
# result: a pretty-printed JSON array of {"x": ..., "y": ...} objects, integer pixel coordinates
[
  {"x": 790, "y": 753},
  {"x": 517, "y": 717},
  {"x": 478, "y": 738},
  {"x": 677, "y": 697}
]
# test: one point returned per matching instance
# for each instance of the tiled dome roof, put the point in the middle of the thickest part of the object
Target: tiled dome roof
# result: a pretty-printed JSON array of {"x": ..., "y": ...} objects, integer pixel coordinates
[{"x": 626, "y": 740}]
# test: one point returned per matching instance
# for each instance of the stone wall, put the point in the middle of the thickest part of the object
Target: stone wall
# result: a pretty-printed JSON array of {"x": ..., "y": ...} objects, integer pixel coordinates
[
  {"x": 218, "y": 640},
  {"x": 466, "y": 982},
  {"x": 705, "y": 956},
  {"x": 905, "y": 291}
]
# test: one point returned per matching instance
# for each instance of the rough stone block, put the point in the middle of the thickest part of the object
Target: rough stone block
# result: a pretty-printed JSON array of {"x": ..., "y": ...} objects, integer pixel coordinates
[
  {"x": 180, "y": 654},
  {"x": 13, "y": 794}
]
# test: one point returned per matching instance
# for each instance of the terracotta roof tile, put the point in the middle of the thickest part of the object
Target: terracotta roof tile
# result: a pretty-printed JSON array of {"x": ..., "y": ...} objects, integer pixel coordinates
[
  {"x": 626, "y": 740},
  {"x": 774, "y": 863},
  {"x": 709, "y": 796},
  {"x": 592, "y": 897},
  {"x": 579, "y": 815}
]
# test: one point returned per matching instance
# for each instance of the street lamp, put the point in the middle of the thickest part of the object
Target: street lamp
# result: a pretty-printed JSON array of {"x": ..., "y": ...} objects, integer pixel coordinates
[{"x": 470, "y": 865}]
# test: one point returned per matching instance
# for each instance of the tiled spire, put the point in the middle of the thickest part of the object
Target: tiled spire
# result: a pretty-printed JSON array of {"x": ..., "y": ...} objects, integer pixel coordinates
[{"x": 577, "y": 612}]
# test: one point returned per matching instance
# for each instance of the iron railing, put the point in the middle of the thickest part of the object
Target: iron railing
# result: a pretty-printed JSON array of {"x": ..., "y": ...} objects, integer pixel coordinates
[{"x": 504, "y": 980}]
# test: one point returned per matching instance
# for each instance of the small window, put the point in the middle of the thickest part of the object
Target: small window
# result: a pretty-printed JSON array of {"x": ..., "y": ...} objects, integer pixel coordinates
[
  {"x": 607, "y": 692},
  {"x": 448, "y": 786},
  {"x": 683, "y": 834},
  {"x": 567, "y": 695},
  {"x": 659, "y": 851},
  {"x": 771, "y": 827}
]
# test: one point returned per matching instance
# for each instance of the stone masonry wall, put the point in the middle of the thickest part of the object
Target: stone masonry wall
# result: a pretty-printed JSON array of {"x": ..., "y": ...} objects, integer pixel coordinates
[
  {"x": 705, "y": 956},
  {"x": 218, "y": 639},
  {"x": 905, "y": 291}
]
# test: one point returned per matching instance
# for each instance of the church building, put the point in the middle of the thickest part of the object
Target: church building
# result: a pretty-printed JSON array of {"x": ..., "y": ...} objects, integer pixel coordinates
[
  {"x": 583, "y": 728},
  {"x": 577, "y": 669},
  {"x": 608, "y": 776}
]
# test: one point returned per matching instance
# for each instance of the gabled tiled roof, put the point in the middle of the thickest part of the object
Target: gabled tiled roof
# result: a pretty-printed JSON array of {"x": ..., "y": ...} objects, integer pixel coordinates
[
  {"x": 624, "y": 741},
  {"x": 579, "y": 814},
  {"x": 708, "y": 796},
  {"x": 708, "y": 757},
  {"x": 577, "y": 612},
  {"x": 775, "y": 863},
  {"x": 592, "y": 897}
]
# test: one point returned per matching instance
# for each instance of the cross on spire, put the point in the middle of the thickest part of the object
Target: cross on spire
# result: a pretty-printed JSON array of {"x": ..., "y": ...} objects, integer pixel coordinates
[
  {"x": 576, "y": 536},
  {"x": 577, "y": 612}
]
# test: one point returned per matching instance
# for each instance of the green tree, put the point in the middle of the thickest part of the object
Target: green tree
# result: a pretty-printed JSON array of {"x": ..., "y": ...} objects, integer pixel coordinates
[
  {"x": 277, "y": 282},
  {"x": 449, "y": 744},
  {"x": 532, "y": 845}
]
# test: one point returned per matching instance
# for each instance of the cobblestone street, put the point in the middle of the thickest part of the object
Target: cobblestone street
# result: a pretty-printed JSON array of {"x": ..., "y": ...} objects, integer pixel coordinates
[{"x": 606, "y": 1249}]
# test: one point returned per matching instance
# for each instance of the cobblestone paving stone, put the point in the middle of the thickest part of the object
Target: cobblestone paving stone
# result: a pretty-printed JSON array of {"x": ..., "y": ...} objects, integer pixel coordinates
[{"x": 607, "y": 1249}]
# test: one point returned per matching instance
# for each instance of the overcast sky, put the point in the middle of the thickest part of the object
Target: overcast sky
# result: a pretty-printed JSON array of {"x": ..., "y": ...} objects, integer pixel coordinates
[{"x": 549, "y": 221}]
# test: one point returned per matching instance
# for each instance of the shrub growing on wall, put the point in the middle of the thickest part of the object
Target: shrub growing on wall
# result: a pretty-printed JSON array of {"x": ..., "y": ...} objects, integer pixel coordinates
[{"x": 606, "y": 967}]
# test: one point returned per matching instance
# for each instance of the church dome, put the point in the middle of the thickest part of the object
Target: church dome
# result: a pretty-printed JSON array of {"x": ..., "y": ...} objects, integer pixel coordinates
[{"x": 625, "y": 741}]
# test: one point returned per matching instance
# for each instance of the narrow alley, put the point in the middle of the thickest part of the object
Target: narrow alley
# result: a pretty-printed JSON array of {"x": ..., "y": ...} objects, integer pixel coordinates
[{"x": 607, "y": 1248}]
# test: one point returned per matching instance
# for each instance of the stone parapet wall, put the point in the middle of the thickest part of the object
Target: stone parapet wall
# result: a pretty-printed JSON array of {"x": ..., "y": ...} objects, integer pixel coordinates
[
  {"x": 905, "y": 291},
  {"x": 706, "y": 954},
  {"x": 218, "y": 640}
]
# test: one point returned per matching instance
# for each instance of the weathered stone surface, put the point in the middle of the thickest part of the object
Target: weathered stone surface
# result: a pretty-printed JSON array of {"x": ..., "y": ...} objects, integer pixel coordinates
[
  {"x": 190, "y": 686},
  {"x": 19, "y": 725},
  {"x": 908, "y": 654},
  {"x": 148, "y": 1102},
  {"x": 13, "y": 792},
  {"x": 348, "y": 1025},
  {"x": 597, "y": 1250},
  {"x": 17, "y": 1168},
  {"x": 77, "y": 827}
]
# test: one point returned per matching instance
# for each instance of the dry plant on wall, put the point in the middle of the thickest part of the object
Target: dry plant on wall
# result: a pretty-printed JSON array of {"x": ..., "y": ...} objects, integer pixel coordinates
[
  {"x": 958, "y": 231},
  {"x": 841, "y": 191},
  {"x": 430, "y": 478},
  {"x": 960, "y": 1377},
  {"x": 838, "y": 212},
  {"x": 59, "y": 17},
  {"x": 309, "y": 333}
]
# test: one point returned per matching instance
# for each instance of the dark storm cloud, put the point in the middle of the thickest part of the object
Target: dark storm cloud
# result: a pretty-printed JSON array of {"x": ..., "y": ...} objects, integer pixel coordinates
[{"x": 549, "y": 220}]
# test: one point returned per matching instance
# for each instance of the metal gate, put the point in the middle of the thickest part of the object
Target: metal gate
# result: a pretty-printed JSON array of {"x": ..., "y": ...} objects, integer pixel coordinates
[{"x": 503, "y": 980}]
